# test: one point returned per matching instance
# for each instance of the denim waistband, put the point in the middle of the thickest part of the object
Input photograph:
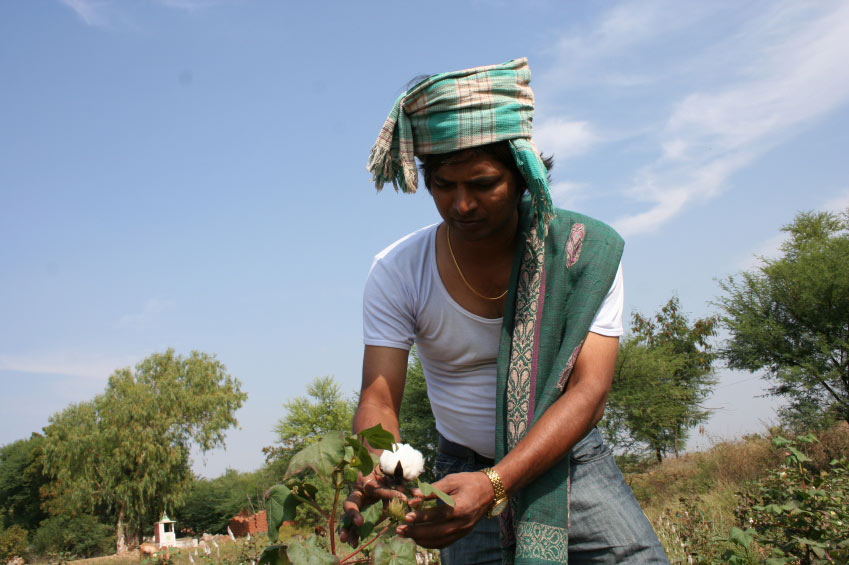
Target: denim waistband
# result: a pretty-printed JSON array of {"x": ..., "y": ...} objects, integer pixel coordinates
[{"x": 448, "y": 447}]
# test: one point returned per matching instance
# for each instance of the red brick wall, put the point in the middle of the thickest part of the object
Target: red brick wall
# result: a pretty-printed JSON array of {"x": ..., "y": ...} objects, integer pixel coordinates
[{"x": 244, "y": 523}]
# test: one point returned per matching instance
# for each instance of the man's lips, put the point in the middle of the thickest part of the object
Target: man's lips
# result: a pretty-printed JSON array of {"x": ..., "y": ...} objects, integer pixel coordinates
[{"x": 467, "y": 222}]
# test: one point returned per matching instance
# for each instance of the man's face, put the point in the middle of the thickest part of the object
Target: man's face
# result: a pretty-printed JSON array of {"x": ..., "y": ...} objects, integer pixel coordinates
[{"x": 477, "y": 197}]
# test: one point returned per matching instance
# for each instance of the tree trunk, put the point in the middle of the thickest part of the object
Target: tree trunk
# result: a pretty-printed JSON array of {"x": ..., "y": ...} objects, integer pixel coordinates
[
  {"x": 659, "y": 456},
  {"x": 675, "y": 442},
  {"x": 120, "y": 542}
]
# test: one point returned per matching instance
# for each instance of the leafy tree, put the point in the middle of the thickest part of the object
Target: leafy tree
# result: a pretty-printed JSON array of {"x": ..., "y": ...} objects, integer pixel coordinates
[
  {"x": 663, "y": 375},
  {"x": 418, "y": 426},
  {"x": 790, "y": 316},
  {"x": 21, "y": 477},
  {"x": 307, "y": 419},
  {"x": 210, "y": 503},
  {"x": 126, "y": 452},
  {"x": 77, "y": 535}
]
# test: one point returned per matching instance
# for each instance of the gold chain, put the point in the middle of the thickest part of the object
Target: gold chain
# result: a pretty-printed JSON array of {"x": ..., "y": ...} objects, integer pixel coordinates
[{"x": 448, "y": 236}]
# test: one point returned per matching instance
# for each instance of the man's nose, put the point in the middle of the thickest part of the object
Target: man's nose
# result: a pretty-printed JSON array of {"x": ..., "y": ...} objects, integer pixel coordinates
[{"x": 465, "y": 201}]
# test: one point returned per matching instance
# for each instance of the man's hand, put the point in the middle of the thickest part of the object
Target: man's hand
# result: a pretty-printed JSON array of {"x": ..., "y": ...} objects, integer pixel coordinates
[
  {"x": 367, "y": 490},
  {"x": 442, "y": 525}
]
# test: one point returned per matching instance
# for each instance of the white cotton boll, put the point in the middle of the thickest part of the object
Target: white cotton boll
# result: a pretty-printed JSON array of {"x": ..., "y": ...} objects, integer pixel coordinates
[{"x": 411, "y": 460}]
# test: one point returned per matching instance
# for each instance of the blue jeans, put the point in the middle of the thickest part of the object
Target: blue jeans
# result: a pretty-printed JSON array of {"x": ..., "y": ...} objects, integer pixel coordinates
[{"x": 606, "y": 524}]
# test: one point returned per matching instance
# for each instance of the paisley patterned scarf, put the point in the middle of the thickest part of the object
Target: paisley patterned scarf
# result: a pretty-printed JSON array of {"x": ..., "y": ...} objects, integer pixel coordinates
[{"x": 557, "y": 285}]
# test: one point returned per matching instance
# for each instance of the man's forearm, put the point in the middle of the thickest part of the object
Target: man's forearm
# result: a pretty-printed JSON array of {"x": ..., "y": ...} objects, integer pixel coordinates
[
  {"x": 368, "y": 415},
  {"x": 567, "y": 420},
  {"x": 549, "y": 440}
]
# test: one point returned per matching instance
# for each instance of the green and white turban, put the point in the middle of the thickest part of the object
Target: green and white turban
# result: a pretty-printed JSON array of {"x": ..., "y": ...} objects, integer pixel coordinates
[{"x": 459, "y": 110}]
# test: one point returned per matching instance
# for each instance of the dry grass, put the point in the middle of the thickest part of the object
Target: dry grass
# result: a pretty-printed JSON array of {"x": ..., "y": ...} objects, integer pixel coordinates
[{"x": 690, "y": 500}]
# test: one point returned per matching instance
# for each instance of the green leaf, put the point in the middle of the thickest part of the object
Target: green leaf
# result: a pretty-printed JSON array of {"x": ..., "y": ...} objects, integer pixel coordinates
[
  {"x": 779, "y": 441},
  {"x": 274, "y": 555},
  {"x": 800, "y": 457},
  {"x": 398, "y": 551},
  {"x": 428, "y": 489},
  {"x": 740, "y": 537},
  {"x": 310, "y": 552},
  {"x": 280, "y": 506},
  {"x": 377, "y": 437},
  {"x": 322, "y": 456},
  {"x": 363, "y": 460},
  {"x": 371, "y": 515}
]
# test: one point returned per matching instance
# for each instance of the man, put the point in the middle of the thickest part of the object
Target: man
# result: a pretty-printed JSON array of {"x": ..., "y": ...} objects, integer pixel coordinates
[{"x": 516, "y": 311}]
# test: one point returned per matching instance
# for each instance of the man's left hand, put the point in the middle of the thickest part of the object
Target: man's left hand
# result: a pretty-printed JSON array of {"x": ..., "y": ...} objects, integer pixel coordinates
[{"x": 442, "y": 525}]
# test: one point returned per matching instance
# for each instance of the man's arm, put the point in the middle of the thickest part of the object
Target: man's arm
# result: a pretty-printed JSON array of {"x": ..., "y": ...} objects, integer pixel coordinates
[
  {"x": 384, "y": 373},
  {"x": 555, "y": 433}
]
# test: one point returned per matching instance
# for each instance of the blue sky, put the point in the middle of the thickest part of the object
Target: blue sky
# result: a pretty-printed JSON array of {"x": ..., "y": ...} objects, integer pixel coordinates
[{"x": 191, "y": 173}]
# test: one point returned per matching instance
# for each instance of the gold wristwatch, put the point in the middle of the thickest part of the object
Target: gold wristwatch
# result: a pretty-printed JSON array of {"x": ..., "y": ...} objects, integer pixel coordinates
[{"x": 500, "y": 501}]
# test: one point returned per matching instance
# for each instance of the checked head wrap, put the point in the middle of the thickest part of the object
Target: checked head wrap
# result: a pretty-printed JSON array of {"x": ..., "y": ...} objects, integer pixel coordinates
[{"x": 459, "y": 110}]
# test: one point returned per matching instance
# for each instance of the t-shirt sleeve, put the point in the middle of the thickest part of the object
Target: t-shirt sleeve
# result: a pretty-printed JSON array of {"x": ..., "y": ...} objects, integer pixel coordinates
[
  {"x": 608, "y": 319},
  {"x": 388, "y": 318}
]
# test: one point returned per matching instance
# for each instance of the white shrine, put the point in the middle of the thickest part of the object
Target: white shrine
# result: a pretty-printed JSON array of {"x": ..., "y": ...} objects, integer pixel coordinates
[{"x": 163, "y": 532}]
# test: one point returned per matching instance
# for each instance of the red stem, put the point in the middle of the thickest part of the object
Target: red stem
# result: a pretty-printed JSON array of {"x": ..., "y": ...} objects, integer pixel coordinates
[{"x": 365, "y": 545}]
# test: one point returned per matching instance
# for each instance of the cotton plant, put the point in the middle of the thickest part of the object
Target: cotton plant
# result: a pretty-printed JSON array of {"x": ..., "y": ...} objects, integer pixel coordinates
[{"x": 338, "y": 459}]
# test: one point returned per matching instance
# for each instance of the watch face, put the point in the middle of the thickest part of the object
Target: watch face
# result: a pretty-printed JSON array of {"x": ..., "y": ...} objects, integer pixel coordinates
[{"x": 499, "y": 507}]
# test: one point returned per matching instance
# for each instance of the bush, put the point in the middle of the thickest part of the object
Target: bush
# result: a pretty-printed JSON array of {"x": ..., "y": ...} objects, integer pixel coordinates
[
  {"x": 78, "y": 536},
  {"x": 13, "y": 543},
  {"x": 800, "y": 514}
]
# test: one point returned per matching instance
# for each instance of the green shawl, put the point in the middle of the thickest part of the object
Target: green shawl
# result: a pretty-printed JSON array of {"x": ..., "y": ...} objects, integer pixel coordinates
[{"x": 557, "y": 286}]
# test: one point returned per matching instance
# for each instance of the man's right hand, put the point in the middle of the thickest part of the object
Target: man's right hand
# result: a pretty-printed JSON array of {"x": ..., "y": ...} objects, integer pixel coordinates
[{"x": 367, "y": 490}]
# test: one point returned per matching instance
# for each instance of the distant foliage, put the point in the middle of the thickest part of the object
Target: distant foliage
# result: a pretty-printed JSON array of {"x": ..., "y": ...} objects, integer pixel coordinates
[
  {"x": 325, "y": 408},
  {"x": 13, "y": 543},
  {"x": 78, "y": 536},
  {"x": 664, "y": 372},
  {"x": 21, "y": 477},
  {"x": 125, "y": 454},
  {"x": 210, "y": 503},
  {"x": 790, "y": 318},
  {"x": 416, "y": 421}
]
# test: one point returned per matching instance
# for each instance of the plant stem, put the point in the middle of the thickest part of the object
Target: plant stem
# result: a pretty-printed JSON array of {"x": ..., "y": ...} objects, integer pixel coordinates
[
  {"x": 330, "y": 522},
  {"x": 365, "y": 545},
  {"x": 313, "y": 505}
]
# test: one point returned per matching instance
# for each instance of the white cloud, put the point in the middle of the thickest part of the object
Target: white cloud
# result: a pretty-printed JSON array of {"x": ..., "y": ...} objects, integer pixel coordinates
[
  {"x": 567, "y": 194},
  {"x": 564, "y": 138},
  {"x": 89, "y": 11},
  {"x": 771, "y": 248},
  {"x": 97, "y": 367},
  {"x": 795, "y": 75},
  {"x": 189, "y": 5},
  {"x": 101, "y": 13},
  {"x": 152, "y": 308},
  {"x": 599, "y": 55},
  {"x": 839, "y": 203}
]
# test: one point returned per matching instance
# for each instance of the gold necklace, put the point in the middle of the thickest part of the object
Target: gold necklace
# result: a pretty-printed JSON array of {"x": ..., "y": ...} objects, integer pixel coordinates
[{"x": 451, "y": 251}]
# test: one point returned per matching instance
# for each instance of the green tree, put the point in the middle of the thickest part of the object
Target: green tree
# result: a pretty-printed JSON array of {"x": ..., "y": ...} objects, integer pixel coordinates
[
  {"x": 308, "y": 418},
  {"x": 790, "y": 316},
  {"x": 418, "y": 426},
  {"x": 210, "y": 503},
  {"x": 663, "y": 375},
  {"x": 21, "y": 479},
  {"x": 126, "y": 452}
]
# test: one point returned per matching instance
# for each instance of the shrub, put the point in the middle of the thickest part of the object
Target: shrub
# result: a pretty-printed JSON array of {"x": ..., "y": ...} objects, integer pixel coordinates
[
  {"x": 80, "y": 536},
  {"x": 800, "y": 514},
  {"x": 13, "y": 543}
]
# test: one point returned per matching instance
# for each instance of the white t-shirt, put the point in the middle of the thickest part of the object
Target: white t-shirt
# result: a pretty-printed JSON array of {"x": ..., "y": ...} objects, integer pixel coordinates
[{"x": 405, "y": 302}]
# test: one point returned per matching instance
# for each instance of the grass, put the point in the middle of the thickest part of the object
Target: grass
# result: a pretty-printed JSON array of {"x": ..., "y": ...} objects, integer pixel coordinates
[{"x": 691, "y": 500}]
